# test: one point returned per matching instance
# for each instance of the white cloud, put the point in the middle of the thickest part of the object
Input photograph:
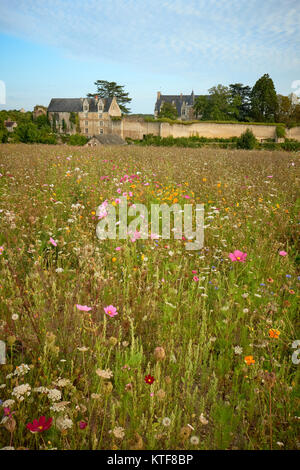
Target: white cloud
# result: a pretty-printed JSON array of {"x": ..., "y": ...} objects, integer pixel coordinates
[{"x": 178, "y": 35}]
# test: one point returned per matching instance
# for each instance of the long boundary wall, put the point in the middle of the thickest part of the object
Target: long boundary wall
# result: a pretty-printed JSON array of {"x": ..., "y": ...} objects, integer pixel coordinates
[{"x": 136, "y": 129}]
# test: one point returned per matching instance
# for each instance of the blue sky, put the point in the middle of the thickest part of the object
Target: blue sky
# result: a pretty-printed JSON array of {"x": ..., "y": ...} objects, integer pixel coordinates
[{"x": 58, "y": 48}]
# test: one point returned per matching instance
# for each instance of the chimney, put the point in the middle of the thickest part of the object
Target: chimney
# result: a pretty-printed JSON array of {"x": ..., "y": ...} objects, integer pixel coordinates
[
  {"x": 96, "y": 97},
  {"x": 158, "y": 95}
]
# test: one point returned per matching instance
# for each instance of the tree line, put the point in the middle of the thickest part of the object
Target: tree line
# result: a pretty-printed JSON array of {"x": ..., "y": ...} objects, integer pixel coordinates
[{"x": 241, "y": 103}]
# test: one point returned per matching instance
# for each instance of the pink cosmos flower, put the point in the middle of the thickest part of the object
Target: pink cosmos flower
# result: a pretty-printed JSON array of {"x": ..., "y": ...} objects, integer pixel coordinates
[
  {"x": 136, "y": 236},
  {"x": 194, "y": 271},
  {"x": 195, "y": 278},
  {"x": 119, "y": 190},
  {"x": 1, "y": 249},
  {"x": 282, "y": 253},
  {"x": 53, "y": 241},
  {"x": 118, "y": 248},
  {"x": 111, "y": 311},
  {"x": 83, "y": 308},
  {"x": 238, "y": 255}
]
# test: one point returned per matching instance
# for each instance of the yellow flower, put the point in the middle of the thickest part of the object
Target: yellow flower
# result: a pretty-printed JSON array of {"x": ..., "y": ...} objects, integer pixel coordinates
[{"x": 114, "y": 259}]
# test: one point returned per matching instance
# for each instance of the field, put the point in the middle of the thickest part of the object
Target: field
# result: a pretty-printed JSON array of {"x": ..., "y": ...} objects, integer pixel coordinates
[{"x": 199, "y": 354}]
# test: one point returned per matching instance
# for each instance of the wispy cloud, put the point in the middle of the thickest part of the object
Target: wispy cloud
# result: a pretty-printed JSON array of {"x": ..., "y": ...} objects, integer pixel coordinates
[{"x": 174, "y": 34}]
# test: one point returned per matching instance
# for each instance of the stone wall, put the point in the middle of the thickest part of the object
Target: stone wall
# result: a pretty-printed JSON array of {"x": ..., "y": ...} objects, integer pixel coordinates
[
  {"x": 293, "y": 133},
  {"x": 136, "y": 129}
]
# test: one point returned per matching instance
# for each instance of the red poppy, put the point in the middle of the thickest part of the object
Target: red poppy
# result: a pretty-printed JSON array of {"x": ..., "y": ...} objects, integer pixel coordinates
[
  {"x": 39, "y": 425},
  {"x": 149, "y": 379}
]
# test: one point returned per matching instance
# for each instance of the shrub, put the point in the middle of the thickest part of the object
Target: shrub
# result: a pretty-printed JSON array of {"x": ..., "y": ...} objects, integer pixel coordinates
[
  {"x": 280, "y": 131},
  {"x": 291, "y": 146},
  {"x": 247, "y": 140},
  {"x": 77, "y": 139}
]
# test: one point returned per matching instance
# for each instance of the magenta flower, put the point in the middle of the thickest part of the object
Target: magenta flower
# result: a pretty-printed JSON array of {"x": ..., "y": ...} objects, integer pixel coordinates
[
  {"x": 83, "y": 308},
  {"x": 238, "y": 255},
  {"x": 39, "y": 425},
  {"x": 82, "y": 424},
  {"x": 53, "y": 241},
  {"x": 1, "y": 249},
  {"x": 282, "y": 253},
  {"x": 195, "y": 278},
  {"x": 111, "y": 311}
]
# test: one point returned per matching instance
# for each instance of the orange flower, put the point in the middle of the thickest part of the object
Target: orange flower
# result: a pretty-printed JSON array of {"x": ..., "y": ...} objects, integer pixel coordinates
[
  {"x": 274, "y": 333},
  {"x": 249, "y": 360}
]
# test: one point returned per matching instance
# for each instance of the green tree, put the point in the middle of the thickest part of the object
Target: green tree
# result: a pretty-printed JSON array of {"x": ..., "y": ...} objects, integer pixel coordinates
[
  {"x": 27, "y": 132},
  {"x": 285, "y": 109},
  {"x": 42, "y": 121},
  {"x": 240, "y": 100},
  {"x": 201, "y": 107},
  {"x": 107, "y": 89},
  {"x": 296, "y": 114},
  {"x": 247, "y": 140},
  {"x": 168, "y": 110},
  {"x": 221, "y": 108},
  {"x": 264, "y": 104},
  {"x": 219, "y": 105}
]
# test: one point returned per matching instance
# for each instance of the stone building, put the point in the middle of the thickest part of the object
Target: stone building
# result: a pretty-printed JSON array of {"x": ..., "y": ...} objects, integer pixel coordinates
[
  {"x": 88, "y": 116},
  {"x": 10, "y": 125},
  {"x": 109, "y": 139},
  {"x": 39, "y": 110},
  {"x": 183, "y": 104}
]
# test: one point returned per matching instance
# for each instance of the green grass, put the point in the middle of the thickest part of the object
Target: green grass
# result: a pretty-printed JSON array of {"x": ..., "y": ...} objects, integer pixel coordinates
[{"x": 211, "y": 397}]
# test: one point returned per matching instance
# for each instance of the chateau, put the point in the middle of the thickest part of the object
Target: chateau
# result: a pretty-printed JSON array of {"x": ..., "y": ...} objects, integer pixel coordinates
[
  {"x": 183, "y": 104},
  {"x": 101, "y": 120},
  {"x": 89, "y": 116}
]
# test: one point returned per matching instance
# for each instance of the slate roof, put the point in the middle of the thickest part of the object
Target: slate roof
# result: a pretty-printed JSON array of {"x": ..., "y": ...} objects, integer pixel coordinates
[
  {"x": 75, "y": 105},
  {"x": 178, "y": 101},
  {"x": 110, "y": 139}
]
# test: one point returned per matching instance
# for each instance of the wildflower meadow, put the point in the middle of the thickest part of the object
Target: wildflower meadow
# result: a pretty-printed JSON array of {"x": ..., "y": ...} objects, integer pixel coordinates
[{"x": 139, "y": 343}]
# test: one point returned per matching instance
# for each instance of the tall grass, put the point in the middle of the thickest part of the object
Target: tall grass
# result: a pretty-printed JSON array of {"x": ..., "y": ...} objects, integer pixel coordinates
[{"x": 190, "y": 320}]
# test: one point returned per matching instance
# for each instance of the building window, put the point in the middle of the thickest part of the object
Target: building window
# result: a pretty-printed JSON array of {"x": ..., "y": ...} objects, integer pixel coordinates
[
  {"x": 86, "y": 123},
  {"x": 86, "y": 131},
  {"x": 100, "y": 114},
  {"x": 101, "y": 131},
  {"x": 101, "y": 123}
]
